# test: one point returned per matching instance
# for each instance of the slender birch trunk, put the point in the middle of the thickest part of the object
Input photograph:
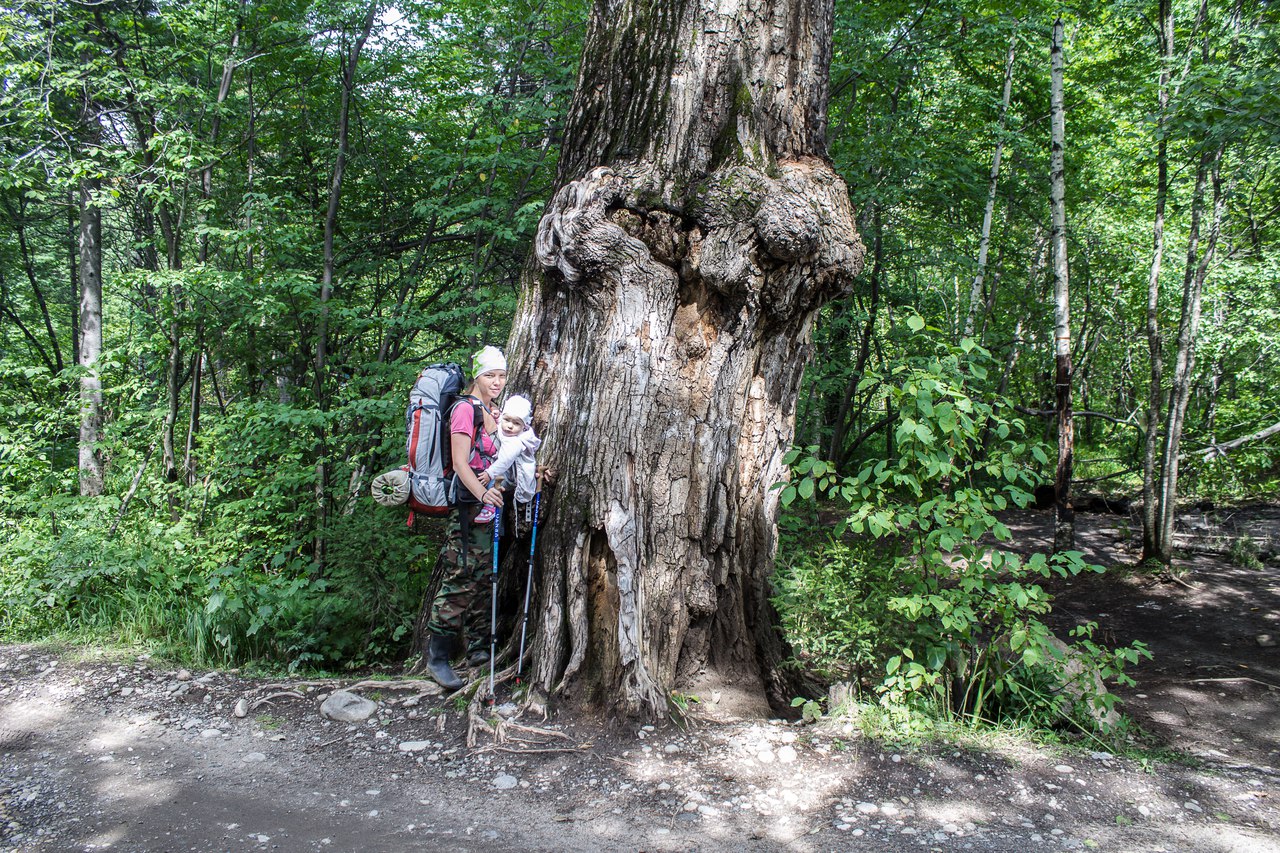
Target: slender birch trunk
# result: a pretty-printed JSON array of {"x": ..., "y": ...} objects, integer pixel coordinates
[
  {"x": 984, "y": 243},
  {"x": 1155, "y": 396},
  {"x": 1064, "y": 526},
  {"x": 90, "y": 275}
]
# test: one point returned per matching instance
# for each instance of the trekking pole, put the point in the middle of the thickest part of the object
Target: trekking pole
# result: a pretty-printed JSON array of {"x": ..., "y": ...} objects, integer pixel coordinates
[
  {"x": 493, "y": 611},
  {"x": 528, "y": 583}
]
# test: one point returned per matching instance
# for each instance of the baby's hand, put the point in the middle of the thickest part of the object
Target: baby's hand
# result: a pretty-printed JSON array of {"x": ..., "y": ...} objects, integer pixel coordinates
[
  {"x": 545, "y": 474},
  {"x": 483, "y": 477}
]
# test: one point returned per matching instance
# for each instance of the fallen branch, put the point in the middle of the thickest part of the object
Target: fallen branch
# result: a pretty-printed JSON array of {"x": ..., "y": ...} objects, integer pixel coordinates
[
  {"x": 1049, "y": 413},
  {"x": 295, "y": 686},
  {"x": 323, "y": 745},
  {"x": 1265, "y": 684},
  {"x": 533, "y": 751},
  {"x": 1213, "y": 451},
  {"x": 128, "y": 496}
]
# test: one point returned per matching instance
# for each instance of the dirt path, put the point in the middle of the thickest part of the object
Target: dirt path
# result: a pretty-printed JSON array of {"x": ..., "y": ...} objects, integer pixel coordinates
[{"x": 131, "y": 756}]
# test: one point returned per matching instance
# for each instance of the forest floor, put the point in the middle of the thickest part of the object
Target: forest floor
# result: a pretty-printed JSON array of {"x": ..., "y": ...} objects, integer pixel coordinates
[{"x": 109, "y": 752}]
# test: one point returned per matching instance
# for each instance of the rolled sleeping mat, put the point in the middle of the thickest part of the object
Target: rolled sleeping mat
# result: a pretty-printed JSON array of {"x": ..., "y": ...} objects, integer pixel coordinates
[{"x": 391, "y": 488}]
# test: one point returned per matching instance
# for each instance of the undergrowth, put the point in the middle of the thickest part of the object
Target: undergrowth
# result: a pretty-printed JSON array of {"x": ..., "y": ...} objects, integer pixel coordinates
[{"x": 913, "y": 595}]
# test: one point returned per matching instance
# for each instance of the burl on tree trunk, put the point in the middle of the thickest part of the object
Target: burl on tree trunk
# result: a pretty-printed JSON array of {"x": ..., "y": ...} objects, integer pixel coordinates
[{"x": 662, "y": 332}]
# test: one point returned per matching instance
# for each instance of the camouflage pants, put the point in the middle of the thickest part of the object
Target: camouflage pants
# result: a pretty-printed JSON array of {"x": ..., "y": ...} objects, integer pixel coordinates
[{"x": 462, "y": 602}]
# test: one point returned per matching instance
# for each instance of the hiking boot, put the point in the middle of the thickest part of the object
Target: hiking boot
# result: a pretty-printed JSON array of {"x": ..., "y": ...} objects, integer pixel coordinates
[
  {"x": 438, "y": 662},
  {"x": 477, "y": 657}
]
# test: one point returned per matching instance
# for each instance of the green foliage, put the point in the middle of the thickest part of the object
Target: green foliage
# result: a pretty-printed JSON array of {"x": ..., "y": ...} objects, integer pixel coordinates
[
  {"x": 926, "y": 573},
  {"x": 1244, "y": 552},
  {"x": 232, "y": 550}
]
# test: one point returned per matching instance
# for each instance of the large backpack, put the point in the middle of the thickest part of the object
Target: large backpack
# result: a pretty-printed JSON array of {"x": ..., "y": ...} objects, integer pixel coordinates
[{"x": 432, "y": 487}]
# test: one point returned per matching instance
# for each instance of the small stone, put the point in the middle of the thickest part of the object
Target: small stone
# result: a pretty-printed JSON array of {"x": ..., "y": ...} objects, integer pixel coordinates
[
  {"x": 184, "y": 675},
  {"x": 1144, "y": 811},
  {"x": 895, "y": 758},
  {"x": 346, "y": 707},
  {"x": 786, "y": 754},
  {"x": 261, "y": 839},
  {"x": 664, "y": 786},
  {"x": 414, "y": 745},
  {"x": 241, "y": 709},
  {"x": 765, "y": 756},
  {"x": 207, "y": 733},
  {"x": 671, "y": 748},
  {"x": 505, "y": 782},
  {"x": 708, "y": 811},
  {"x": 867, "y": 808},
  {"x": 1192, "y": 806},
  {"x": 889, "y": 810},
  {"x": 126, "y": 691},
  {"x": 1266, "y": 641},
  {"x": 254, "y": 758},
  {"x": 1063, "y": 768}
]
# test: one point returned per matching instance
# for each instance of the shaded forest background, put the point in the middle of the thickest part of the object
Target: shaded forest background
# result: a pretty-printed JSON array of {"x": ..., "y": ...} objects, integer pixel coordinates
[{"x": 290, "y": 207}]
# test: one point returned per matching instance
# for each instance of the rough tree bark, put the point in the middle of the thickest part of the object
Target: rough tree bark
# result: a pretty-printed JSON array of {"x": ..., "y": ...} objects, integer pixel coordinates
[
  {"x": 696, "y": 230},
  {"x": 1064, "y": 513}
]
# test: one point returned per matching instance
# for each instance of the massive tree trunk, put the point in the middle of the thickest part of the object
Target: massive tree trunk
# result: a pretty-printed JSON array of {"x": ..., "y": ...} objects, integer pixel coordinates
[
  {"x": 1064, "y": 513},
  {"x": 697, "y": 229}
]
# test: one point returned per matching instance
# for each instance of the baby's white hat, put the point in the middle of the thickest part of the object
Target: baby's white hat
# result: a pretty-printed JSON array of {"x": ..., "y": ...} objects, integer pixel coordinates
[
  {"x": 489, "y": 358},
  {"x": 520, "y": 408}
]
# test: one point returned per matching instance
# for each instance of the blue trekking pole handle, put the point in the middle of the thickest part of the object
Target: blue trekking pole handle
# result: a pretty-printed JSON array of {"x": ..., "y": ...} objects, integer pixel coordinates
[
  {"x": 528, "y": 584},
  {"x": 493, "y": 612}
]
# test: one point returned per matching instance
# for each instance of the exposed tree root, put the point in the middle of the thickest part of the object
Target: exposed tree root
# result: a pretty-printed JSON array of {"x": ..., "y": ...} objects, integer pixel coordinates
[
  {"x": 481, "y": 718},
  {"x": 267, "y": 700},
  {"x": 249, "y": 702}
]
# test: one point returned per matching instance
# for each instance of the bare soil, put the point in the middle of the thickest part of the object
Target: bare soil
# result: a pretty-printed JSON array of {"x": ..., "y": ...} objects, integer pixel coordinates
[{"x": 131, "y": 755}]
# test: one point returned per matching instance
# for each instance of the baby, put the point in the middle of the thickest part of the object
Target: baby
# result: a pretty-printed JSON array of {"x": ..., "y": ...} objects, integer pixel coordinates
[{"x": 516, "y": 446}]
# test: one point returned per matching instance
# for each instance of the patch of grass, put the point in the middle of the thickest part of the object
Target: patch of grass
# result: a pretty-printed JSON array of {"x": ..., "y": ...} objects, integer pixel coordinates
[{"x": 269, "y": 723}]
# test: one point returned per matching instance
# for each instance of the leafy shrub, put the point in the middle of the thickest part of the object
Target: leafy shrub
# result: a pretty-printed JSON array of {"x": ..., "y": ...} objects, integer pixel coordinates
[{"x": 927, "y": 573}]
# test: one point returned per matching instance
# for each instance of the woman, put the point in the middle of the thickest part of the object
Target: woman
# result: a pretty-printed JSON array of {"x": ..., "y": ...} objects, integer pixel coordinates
[{"x": 467, "y": 555}]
